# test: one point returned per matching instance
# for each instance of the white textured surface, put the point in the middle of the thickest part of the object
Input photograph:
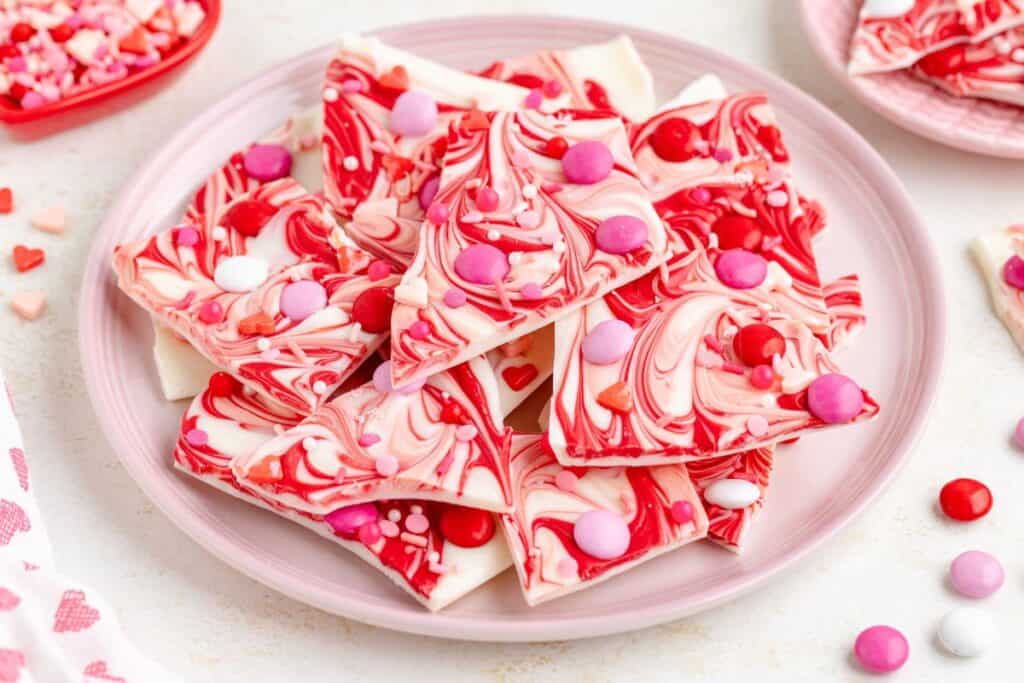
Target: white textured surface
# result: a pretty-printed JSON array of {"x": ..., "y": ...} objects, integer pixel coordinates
[{"x": 213, "y": 625}]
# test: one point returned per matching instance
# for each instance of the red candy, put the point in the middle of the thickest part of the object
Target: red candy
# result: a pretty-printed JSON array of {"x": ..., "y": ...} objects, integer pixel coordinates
[
  {"x": 26, "y": 259},
  {"x": 673, "y": 139},
  {"x": 372, "y": 309},
  {"x": 738, "y": 232},
  {"x": 21, "y": 32},
  {"x": 756, "y": 344},
  {"x": 249, "y": 216},
  {"x": 556, "y": 147},
  {"x": 467, "y": 527},
  {"x": 222, "y": 384},
  {"x": 61, "y": 33},
  {"x": 9, "y": 51},
  {"x": 965, "y": 500}
]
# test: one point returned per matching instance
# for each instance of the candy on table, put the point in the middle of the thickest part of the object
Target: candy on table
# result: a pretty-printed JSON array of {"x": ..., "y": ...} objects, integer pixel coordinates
[
  {"x": 965, "y": 500},
  {"x": 6, "y": 200},
  {"x": 267, "y": 293},
  {"x": 976, "y": 574},
  {"x": 993, "y": 69},
  {"x": 690, "y": 362},
  {"x": 27, "y": 258},
  {"x": 52, "y": 219},
  {"x": 399, "y": 538},
  {"x": 573, "y": 528},
  {"x": 386, "y": 114},
  {"x": 732, "y": 490},
  {"x": 52, "y": 49},
  {"x": 28, "y": 305},
  {"x": 441, "y": 441},
  {"x": 607, "y": 76},
  {"x": 998, "y": 255},
  {"x": 557, "y": 232},
  {"x": 967, "y": 631},
  {"x": 894, "y": 34},
  {"x": 881, "y": 649},
  {"x": 845, "y": 304}
]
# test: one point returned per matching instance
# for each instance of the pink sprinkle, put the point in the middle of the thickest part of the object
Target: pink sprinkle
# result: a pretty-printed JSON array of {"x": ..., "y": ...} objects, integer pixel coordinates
[
  {"x": 777, "y": 199},
  {"x": 531, "y": 291},
  {"x": 682, "y": 511},
  {"x": 32, "y": 100},
  {"x": 367, "y": 439},
  {"x": 486, "y": 199},
  {"x": 388, "y": 528},
  {"x": 369, "y": 533},
  {"x": 419, "y": 330},
  {"x": 722, "y": 155},
  {"x": 437, "y": 213},
  {"x": 757, "y": 425},
  {"x": 197, "y": 437},
  {"x": 351, "y": 85},
  {"x": 417, "y": 523},
  {"x": 701, "y": 195},
  {"x": 386, "y": 465},
  {"x": 528, "y": 219},
  {"x": 378, "y": 270},
  {"x": 733, "y": 368},
  {"x": 552, "y": 88},
  {"x": 566, "y": 481},
  {"x": 445, "y": 464},
  {"x": 454, "y": 298},
  {"x": 465, "y": 433},
  {"x": 17, "y": 64},
  {"x": 714, "y": 344},
  {"x": 413, "y": 539},
  {"x": 471, "y": 217},
  {"x": 521, "y": 159},
  {"x": 762, "y": 377},
  {"x": 567, "y": 567},
  {"x": 534, "y": 99},
  {"x": 211, "y": 312},
  {"x": 185, "y": 237}
]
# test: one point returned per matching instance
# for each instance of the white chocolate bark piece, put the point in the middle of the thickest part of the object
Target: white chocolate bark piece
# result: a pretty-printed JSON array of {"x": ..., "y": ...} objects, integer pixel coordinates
[
  {"x": 363, "y": 157},
  {"x": 603, "y": 76},
  {"x": 678, "y": 391},
  {"x": 443, "y": 442},
  {"x": 542, "y": 236},
  {"x": 728, "y": 525},
  {"x": 227, "y": 423},
  {"x": 271, "y": 300},
  {"x": 992, "y": 251},
  {"x": 708, "y": 87},
  {"x": 573, "y": 529},
  {"x": 992, "y": 69},
  {"x": 182, "y": 370}
]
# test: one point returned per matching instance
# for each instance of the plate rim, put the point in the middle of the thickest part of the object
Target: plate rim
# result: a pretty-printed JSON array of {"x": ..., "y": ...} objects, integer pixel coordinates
[
  {"x": 422, "y": 622},
  {"x": 923, "y": 127}
]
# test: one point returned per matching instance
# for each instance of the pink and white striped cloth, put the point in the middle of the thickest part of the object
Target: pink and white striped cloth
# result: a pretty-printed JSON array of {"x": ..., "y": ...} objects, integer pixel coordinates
[{"x": 52, "y": 628}]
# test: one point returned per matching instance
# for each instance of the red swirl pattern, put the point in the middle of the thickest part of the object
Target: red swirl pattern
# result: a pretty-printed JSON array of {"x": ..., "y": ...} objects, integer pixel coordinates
[
  {"x": 557, "y": 252},
  {"x": 420, "y": 431},
  {"x": 173, "y": 282},
  {"x": 846, "y": 311},
  {"x": 728, "y": 527},
  {"x": 986, "y": 70},
  {"x": 540, "y": 531},
  {"x": 690, "y": 400}
]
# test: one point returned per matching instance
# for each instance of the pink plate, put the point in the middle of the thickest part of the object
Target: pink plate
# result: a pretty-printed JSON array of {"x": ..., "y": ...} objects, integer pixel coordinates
[
  {"x": 821, "y": 483},
  {"x": 966, "y": 123}
]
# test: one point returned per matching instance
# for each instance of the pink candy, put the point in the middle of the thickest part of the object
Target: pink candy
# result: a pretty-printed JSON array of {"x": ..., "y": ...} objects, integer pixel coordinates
[
  {"x": 482, "y": 264},
  {"x": 621, "y": 234},
  {"x": 566, "y": 481},
  {"x": 587, "y": 162},
  {"x": 602, "y": 534},
  {"x": 682, "y": 511},
  {"x": 486, "y": 199},
  {"x": 1013, "y": 272},
  {"x": 419, "y": 330},
  {"x": 428, "y": 191},
  {"x": 437, "y": 213},
  {"x": 976, "y": 574},
  {"x": 741, "y": 269},
  {"x": 762, "y": 377},
  {"x": 454, "y": 298},
  {"x": 186, "y": 237},
  {"x": 382, "y": 381},
  {"x": 414, "y": 114},
  {"x": 197, "y": 437},
  {"x": 211, "y": 312},
  {"x": 834, "y": 398},
  {"x": 552, "y": 88},
  {"x": 267, "y": 162},
  {"x": 881, "y": 649},
  {"x": 301, "y": 299},
  {"x": 608, "y": 342},
  {"x": 533, "y": 99},
  {"x": 348, "y": 520},
  {"x": 378, "y": 270}
]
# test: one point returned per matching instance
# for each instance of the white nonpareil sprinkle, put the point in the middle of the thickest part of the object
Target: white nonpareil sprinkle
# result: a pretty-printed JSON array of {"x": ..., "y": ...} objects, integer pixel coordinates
[
  {"x": 493, "y": 234},
  {"x": 515, "y": 257},
  {"x": 319, "y": 387},
  {"x": 529, "y": 191},
  {"x": 219, "y": 233},
  {"x": 350, "y": 163},
  {"x": 330, "y": 95},
  {"x": 309, "y": 443},
  {"x": 262, "y": 343}
]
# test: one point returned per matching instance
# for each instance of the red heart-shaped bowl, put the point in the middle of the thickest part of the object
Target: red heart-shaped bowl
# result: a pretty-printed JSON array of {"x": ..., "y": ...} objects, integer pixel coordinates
[{"x": 14, "y": 115}]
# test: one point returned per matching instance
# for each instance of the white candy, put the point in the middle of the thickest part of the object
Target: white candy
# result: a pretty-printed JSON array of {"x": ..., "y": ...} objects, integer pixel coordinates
[
  {"x": 886, "y": 8},
  {"x": 967, "y": 631},
  {"x": 732, "y": 494},
  {"x": 241, "y": 273}
]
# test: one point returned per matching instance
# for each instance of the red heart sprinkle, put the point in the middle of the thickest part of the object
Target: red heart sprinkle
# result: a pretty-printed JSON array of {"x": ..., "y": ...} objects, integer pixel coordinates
[
  {"x": 26, "y": 259},
  {"x": 397, "y": 78},
  {"x": 249, "y": 216},
  {"x": 258, "y": 323},
  {"x": 6, "y": 200},
  {"x": 519, "y": 377}
]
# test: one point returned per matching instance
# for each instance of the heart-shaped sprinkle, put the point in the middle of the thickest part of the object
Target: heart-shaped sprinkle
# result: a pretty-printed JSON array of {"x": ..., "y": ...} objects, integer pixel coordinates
[
  {"x": 616, "y": 397},
  {"x": 518, "y": 378},
  {"x": 396, "y": 79},
  {"x": 25, "y": 258},
  {"x": 28, "y": 305},
  {"x": 256, "y": 324}
]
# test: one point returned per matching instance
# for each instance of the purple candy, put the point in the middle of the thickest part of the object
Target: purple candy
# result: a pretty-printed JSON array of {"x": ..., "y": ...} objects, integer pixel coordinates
[
  {"x": 607, "y": 342},
  {"x": 414, "y": 114},
  {"x": 382, "y": 381},
  {"x": 348, "y": 520},
  {"x": 741, "y": 269},
  {"x": 1013, "y": 272},
  {"x": 587, "y": 162},
  {"x": 428, "y": 191},
  {"x": 482, "y": 264},
  {"x": 976, "y": 574},
  {"x": 621, "y": 234},
  {"x": 601, "y": 534},
  {"x": 301, "y": 299},
  {"x": 834, "y": 398},
  {"x": 267, "y": 162}
]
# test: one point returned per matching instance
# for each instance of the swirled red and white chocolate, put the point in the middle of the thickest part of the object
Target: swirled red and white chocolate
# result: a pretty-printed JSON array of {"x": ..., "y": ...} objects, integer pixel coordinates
[
  {"x": 386, "y": 114},
  {"x": 894, "y": 34},
  {"x": 607, "y": 76},
  {"x": 846, "y": 312},
  {"x": 992, "y": 70},
  {"x": 521, "y": 232},
  {"x": 441, "y": 441},
  {"x": 680, "y": 366},
  {"x": 434, "y": 551},
  {"x": 1000, "y": 256},
  {"x": 573, "y": 528},
  {"x": 732, "y": 490},
  {"x": 270, "y": 292}
]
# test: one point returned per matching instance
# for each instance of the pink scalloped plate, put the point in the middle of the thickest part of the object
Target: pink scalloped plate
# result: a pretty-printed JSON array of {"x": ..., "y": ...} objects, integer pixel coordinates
[
  {"x": 966, "y": 123},
  {"x": 821, "y": 483}
]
